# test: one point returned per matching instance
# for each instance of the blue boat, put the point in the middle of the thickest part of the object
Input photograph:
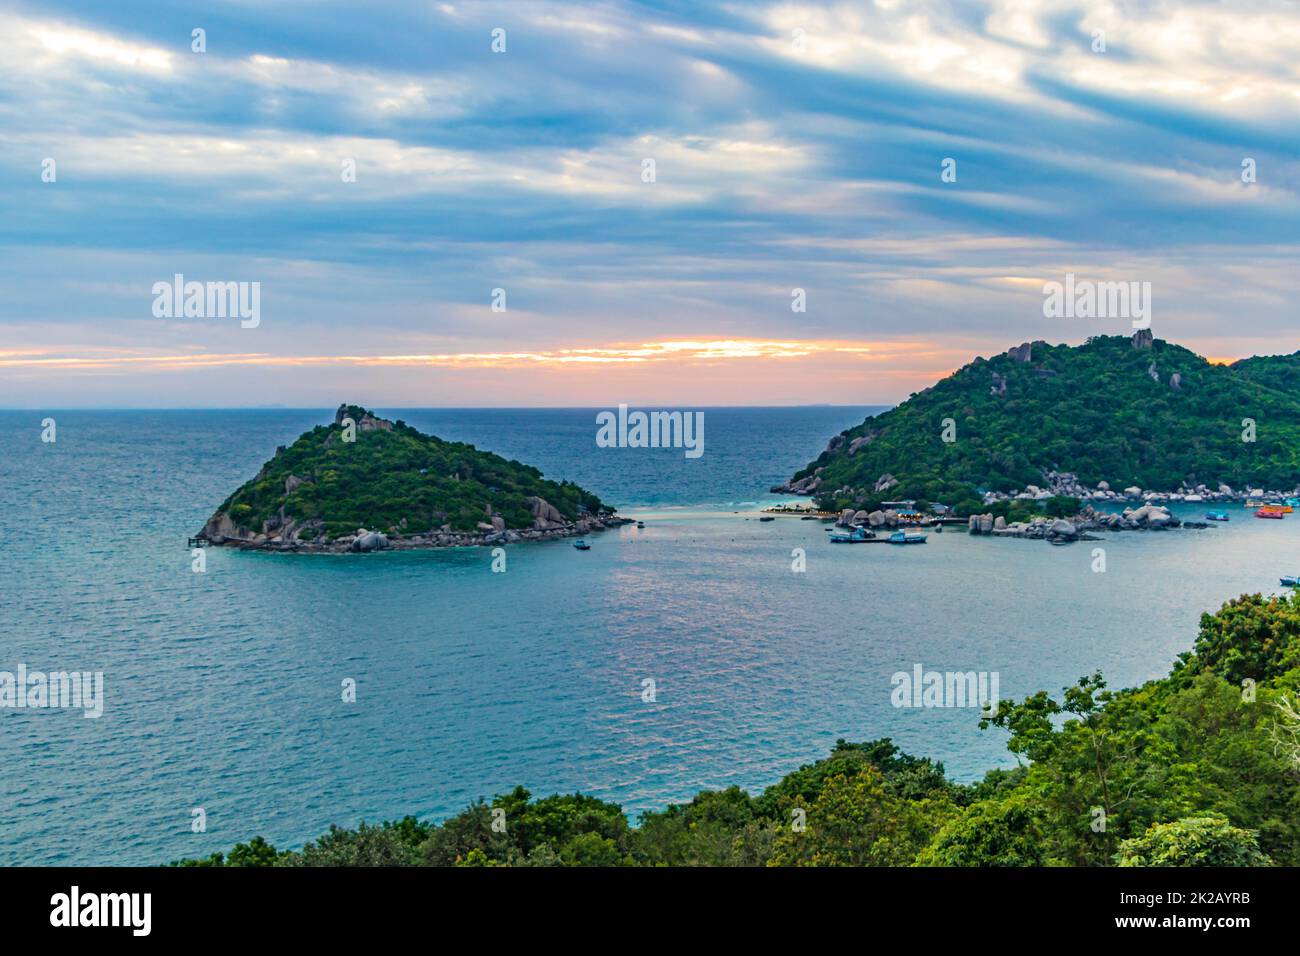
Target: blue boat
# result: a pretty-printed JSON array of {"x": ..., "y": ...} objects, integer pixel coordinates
[
  {"x": 858, "y": 536},
  {"x": 1216, "y": 516},
  {"x": 1291, "y": 582},
  {"x": 902, "y": 537},
  {"x": 581, "y": 545}
]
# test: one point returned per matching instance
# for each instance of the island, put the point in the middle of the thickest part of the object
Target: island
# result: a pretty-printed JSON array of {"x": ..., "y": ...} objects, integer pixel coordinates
[
  {"x": 364, "y": 484},
  {"x": 1073, "y": 431}
]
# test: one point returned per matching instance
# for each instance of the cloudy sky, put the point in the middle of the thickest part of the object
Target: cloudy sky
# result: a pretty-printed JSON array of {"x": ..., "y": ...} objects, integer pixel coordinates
[{"x": 795, "y": 146}]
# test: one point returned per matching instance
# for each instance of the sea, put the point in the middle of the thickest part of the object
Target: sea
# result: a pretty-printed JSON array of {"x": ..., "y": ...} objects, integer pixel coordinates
[{"x": 275, "y": 695}]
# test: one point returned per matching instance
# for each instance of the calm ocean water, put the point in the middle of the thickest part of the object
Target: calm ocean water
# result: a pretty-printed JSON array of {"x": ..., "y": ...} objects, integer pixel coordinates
[{"x": 223, "y": 689}]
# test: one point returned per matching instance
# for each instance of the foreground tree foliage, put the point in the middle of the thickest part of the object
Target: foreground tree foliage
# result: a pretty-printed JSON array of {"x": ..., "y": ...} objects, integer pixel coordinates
[{"x": 1196, "y": 769}]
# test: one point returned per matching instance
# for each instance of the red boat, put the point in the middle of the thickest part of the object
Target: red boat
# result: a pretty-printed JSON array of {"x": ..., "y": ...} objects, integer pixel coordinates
[{"x": 1269, "y": 513}]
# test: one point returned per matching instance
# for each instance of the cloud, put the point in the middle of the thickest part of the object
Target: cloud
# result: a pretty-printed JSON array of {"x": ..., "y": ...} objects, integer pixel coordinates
[{"x": 795, "y": 145}]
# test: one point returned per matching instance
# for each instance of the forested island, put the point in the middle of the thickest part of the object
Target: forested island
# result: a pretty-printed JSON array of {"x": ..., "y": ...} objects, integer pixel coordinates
[
  {"x": 1114, "y": 413},
  {"x": 1200, "y": 768},
  {"x": 364, "y": 483}
]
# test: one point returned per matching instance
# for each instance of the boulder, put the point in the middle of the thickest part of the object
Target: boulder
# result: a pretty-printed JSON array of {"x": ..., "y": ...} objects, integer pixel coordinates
[
  {"x": 1021, "y": 353},
  {"x": 1158, "y": 518},
  {"x": 861, "y": 517},
  {"x": 545, "y": 514},
  {"x": 846, "y": 518},
  {"x": 999, "y": 523},
  {"x": 876, "y": 518},
  {"x": 885, "y": 482},
  {"x": 1142, "y": 339},
  {"x": 366, "y": 541}
]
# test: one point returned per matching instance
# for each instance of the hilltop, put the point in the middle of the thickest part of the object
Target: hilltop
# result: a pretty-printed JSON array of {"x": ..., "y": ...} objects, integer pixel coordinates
[
  {"x": 364, "y": 483},
  {"x": 1137, "y": 412}
]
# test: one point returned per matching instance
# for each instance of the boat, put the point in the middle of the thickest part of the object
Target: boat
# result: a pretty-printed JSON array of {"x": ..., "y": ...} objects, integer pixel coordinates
[
  {"x": 857, "y": 536},
  {"x": 767, "y": 518},
  {"x": 1269, "y": 513},
  {"x": 640, "y": 524},
  {"x": 1291, "y": 582},
  {"x": 1252, "y": 503},
  {"x": 902, "y": 537},
  {"x": 1216, "y": 516},
  {"x": 1293, "y": 502},
  {"x": 581, "y": 545}
]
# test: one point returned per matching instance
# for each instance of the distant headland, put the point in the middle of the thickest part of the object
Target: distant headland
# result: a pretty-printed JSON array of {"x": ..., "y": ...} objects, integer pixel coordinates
[{"x": 1039, "y": 421}]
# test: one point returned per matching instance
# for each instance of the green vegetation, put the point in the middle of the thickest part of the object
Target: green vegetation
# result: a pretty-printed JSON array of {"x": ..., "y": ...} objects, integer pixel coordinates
[
  {"x": 393, "y": 478},
  {"x": 1093, "y": 410},
  {"x": 1201, "y": 768}
]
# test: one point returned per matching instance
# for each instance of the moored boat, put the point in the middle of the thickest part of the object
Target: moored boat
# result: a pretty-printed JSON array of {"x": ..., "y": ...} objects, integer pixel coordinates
[
  {"x": 1269, "y": 513},
  {"x": 581, "y": 545},
  {"x": 857, "y": 536},
  {"x": 902, "y": 537},
  {"x": 1291, "y": 582},
  {"x": 1216, "y": 516}
]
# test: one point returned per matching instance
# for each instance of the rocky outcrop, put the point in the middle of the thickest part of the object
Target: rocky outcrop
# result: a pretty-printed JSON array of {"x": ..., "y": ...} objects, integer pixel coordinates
[
  {"x": 804, "y": 486},
  {"x": 884, "y": 483},
  {"x": 1021, "y": 353},
  {"x": 1142, "y": 339},
  {"x": 999, "y": 386},
  {"x": 366, "y": 423},
  {"x": 545, "y": 515}
]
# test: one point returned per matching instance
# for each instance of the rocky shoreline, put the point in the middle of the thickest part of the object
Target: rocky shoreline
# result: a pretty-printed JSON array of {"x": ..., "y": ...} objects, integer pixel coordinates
[
  {"x": 308, "y": 537},
  {"x": 1061, "y": 530},
  {"x": 1146, "y": 510}
]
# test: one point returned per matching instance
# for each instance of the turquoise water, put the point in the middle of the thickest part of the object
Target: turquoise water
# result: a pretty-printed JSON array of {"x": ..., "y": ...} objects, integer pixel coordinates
[{"x": 223, "y": 689}]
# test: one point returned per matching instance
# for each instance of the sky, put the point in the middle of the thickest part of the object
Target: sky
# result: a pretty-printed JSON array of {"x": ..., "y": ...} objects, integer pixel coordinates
[{"x": 795, "y": 146}]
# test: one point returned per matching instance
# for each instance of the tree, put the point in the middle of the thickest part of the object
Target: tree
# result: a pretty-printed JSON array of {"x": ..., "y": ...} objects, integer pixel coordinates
[
  {"x": 1251, "y": 637},
  {"x": 1193, "y": 841}
]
